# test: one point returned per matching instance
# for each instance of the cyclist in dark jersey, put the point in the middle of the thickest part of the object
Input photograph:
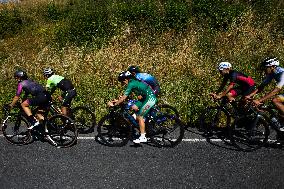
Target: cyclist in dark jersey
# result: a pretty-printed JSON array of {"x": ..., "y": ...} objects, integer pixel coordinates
[
  {"x": 147, "y": 101},
  {"x": 240, "y": 84},
  {"x": 147, "y": 78},
  {"x": 273, "y": 72},
  {"x": 65, "y": 85},
  {"x": 39, "y": 96}
]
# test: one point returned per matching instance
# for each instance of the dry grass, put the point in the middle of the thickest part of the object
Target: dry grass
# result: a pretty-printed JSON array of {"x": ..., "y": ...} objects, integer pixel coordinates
[{"x": 186, "y": 75}]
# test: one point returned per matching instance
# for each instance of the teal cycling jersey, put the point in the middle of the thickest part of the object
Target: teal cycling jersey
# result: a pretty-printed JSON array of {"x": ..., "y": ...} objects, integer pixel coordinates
[{"x": 139, "y": 88}]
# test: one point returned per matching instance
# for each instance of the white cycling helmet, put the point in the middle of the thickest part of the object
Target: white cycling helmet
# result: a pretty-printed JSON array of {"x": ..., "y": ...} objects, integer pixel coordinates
[
  {"x": 224, "y": 65},
  {"x": 270, "y": 62},
  {"x": 48, "y": 72}
]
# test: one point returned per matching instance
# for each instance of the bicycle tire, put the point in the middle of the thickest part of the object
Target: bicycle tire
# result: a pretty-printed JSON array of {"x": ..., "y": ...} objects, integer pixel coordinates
[
  {"x": 15, "y": 129},
  {"x": 114, "y": 131},
  {"x": 249, "y": 133},
  {"x": 61, "y": 131},
  {"x": 168, "y": 109},
  {"x": 84, "y": 119},
  {"x": 214, "y": 120},
  {"x": 166, "y": 131}
]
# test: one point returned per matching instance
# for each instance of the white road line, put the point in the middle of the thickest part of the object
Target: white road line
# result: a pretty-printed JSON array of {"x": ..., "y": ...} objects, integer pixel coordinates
[{"x": 185, "y": 139}]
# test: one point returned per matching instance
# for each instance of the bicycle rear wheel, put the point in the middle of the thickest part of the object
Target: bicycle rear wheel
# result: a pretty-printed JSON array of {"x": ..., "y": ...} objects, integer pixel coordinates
[
  {"x": 114, "y": 131},
  {"x": 166, "y": 131},
  {"x": 61, "y": 131},
  {"x": 84, "y": 119},
  {"x": 214, "y": 121},
  {"x": 249, "y": 133},
  {"x": 168, "y": 109},
  {"x": 15, "y": 129}
]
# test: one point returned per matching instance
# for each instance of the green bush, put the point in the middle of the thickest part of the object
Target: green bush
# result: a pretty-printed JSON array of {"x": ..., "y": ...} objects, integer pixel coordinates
[{"x": 11, "y": 22}]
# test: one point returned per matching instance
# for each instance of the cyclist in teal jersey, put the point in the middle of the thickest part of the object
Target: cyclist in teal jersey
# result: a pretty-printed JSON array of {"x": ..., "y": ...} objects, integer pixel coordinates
[
  {"x": 66, "y": 86},
  {"x": 143, "y": 106}
]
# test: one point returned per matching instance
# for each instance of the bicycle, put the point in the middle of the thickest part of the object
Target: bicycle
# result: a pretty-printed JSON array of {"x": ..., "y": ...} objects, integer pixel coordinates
[
  {"x": 275, "y": 124},
  {"x": 119, "y": 126},
  {"x": 58, "y": 130},
  {"x": 243, "y": 125},
  {"x": 83, "y": 117}
]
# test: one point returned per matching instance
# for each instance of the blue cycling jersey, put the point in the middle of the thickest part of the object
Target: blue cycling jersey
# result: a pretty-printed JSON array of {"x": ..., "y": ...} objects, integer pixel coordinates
[
  {"x": 149, "y": 80},
  {"x": 277, "y": 75}
]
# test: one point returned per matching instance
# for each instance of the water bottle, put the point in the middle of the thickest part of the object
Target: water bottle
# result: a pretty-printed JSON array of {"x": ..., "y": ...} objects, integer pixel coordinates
[{"x": 276, "y": 123}]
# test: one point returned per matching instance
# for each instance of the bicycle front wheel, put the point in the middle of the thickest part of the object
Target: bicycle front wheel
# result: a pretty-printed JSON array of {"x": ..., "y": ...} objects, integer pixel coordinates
[
  {"x": 214, "y": 120},
  {"x": 15, "y": 129},
  {"x": 61, "y": 131},
  {"x": 249, "y": 133},
  {"x": 84, "y": 119},
  {"x": 166, "y": 131},
  {"x": 114, "y": 131}
]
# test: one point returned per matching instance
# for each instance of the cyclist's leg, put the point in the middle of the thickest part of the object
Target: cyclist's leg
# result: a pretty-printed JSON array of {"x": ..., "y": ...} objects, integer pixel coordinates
[
  {"x": 278, "y": 102},
  {"x": 231, "y": 95},
  {"x": 67, "y": 100},
  {"x": 26, "y": 107},
  {"x": 145, "y": 108}
]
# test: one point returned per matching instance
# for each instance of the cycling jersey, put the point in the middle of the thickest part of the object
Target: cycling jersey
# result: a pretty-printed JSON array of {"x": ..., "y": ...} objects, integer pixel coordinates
[
  {"x": 29, "y": 87},
  {"x": 277, "y": 75},
  {"x": 149, "y": 80},
  {"x": 235, "y": 77},
  {"x": 40, "y": 96},
  {"x": 64, "y": 85},
  {"x": 139, "y": 88},
  {"x": 60, "y": 82},
  {"x": 243, "y": 84}
]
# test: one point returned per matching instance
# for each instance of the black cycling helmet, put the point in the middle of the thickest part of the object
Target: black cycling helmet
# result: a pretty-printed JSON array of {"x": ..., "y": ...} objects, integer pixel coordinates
[
  {"x": 124, "y": 75},
  {"x": 48, "y": 72},
  {"x": 134, "y": 69},
  {"x": 21, "y": 75},
  {"x": 270, "y": 61}
]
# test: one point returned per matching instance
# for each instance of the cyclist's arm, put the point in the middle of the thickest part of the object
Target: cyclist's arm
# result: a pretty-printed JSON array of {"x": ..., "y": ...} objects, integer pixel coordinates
[
  {"x": 120, "y": 100},
  {"x": 17, "y": 96},
  {"x": 275, "y": 91},
  {"x": 14, "y": 101}
]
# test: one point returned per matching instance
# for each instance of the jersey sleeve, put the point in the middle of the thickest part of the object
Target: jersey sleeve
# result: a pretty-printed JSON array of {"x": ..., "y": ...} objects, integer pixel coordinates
[
  {"x": 19, "y": 89},
  {"x": 128, "y": 89},
  {"x": 281, "y": 82}
]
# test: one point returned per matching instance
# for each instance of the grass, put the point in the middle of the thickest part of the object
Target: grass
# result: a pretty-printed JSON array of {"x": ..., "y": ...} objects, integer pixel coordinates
[{"x": 183, "y": 57}]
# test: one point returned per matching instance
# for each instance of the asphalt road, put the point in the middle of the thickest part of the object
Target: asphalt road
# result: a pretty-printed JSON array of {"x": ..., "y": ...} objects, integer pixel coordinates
[{"x": 194, "y": 163}]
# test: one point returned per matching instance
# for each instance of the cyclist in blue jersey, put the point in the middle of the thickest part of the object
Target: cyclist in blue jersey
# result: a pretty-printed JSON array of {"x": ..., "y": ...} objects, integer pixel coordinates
[
  {"x": 65, "y": 85},
  {"x": 146, "y": 78},
  {"x": 273, "y": 72},
  {"x": 34, "y": 95},
  {"x": 143, "y": 106},
  {"x": 239, "y": 83}
]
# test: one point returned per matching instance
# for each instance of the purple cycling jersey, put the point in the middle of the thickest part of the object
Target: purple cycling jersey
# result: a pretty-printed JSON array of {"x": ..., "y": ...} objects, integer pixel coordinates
[{"x": 29, "y": 87}]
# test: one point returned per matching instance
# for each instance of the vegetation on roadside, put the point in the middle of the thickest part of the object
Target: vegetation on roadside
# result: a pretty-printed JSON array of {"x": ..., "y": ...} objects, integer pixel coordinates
[{"x": 179, "y": 41}]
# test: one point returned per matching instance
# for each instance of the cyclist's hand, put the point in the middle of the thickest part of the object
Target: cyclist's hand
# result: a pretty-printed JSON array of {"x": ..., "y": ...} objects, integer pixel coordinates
[
  {"x": 257, "y": 102},
  {"x": 213, "y": 95},
  {"x": 111, "y": 103},
  {"x": 60, "y": 98},
  {"x": 7, "y": 107},
  {"x": 248, "y": 98}
]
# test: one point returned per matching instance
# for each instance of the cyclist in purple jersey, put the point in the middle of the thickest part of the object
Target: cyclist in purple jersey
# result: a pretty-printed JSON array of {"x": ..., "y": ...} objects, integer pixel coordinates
[
  {"x": 39, "y": 96},
  {"x": 239, "y": 83},
  {"x": 146, "y": 78},
  {"x": 273, "y": 72}
]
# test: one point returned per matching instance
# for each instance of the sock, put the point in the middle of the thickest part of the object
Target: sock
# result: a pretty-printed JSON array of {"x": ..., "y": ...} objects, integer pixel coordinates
[{"x": 143, "y": 135}]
